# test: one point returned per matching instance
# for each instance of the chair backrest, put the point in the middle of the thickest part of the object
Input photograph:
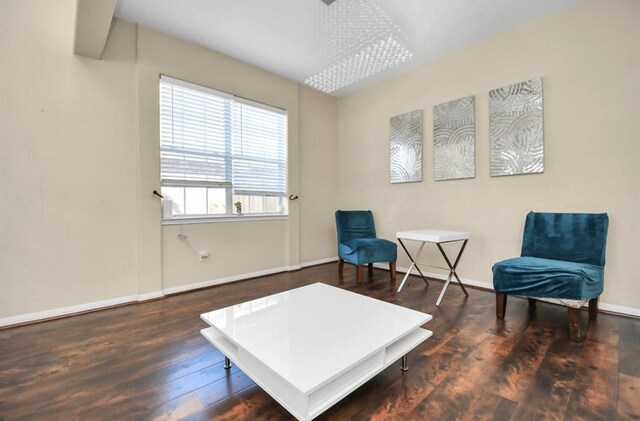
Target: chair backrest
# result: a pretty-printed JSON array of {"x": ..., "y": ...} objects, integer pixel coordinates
[
  {"x": 573, "y": 237},
  {"x": 354, "y": 224}
]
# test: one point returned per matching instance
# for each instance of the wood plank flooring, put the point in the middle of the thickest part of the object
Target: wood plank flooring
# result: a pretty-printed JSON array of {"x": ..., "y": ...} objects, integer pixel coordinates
[{"x": 149, "y": 362}]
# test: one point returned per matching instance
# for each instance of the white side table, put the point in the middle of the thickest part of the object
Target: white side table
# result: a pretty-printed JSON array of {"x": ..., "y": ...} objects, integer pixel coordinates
[{"x": 437, "y": 237}]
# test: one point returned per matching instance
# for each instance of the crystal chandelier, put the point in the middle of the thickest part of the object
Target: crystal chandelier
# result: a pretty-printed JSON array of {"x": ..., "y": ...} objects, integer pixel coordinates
[{"x": 355, "y": 39}]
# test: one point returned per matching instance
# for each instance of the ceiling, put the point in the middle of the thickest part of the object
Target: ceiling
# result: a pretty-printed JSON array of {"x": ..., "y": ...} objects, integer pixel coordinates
[{"x": 282, "y": 35}]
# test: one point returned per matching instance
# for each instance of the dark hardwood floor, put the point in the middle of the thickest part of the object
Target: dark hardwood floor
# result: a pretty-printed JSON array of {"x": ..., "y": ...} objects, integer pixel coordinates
[{"x": 148, "y": 361}]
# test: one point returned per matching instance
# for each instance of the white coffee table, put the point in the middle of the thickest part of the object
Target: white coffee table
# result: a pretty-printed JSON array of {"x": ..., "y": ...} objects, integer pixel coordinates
[
  {"x": 309, "y": 347},
  {"x": 438, "y": 237}
]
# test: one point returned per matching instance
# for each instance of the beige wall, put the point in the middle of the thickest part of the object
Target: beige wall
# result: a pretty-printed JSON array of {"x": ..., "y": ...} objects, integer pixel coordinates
[
  {"x": 79, "y": 159},
  {"x": 318, "y": 175},
  {"x": 589, "y": 57},
  {"x": 67, "y": 161}
]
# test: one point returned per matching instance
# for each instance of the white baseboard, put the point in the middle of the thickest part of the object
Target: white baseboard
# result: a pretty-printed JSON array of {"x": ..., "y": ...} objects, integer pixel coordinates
[
  {"x": 319, "y": 262},
  {"x": 233, "y": 278},
  {"x": 614, "y": 308},
  {"x": 48, "y": 314},
  {"x": 150, "y": 296}
]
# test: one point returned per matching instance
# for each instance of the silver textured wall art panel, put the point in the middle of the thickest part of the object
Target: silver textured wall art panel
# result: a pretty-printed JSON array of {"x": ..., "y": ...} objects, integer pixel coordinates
[
  {"x": 516, "y": 134},
  {"x": 406, "y": 147},
  {"x": 454, "y": 139}
]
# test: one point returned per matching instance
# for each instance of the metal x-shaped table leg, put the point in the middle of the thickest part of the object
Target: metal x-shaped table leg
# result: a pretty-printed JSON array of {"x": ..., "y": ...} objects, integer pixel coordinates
[
  {"x": 452, "y": 271},
  {"x": 413, "y": 264}
]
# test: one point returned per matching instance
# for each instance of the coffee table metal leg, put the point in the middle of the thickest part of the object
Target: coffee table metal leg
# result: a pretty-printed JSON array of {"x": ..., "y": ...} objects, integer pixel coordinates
[
  {"x": 227, "y": 363},
  {"x": 452, "y": 271},
  {"x": 404, "y": 364},
  {"x": 413, "y": 264}
]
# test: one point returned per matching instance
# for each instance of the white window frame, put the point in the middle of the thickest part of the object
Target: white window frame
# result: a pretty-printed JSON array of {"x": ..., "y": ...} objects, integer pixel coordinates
[{"x": 229, "y": 215}]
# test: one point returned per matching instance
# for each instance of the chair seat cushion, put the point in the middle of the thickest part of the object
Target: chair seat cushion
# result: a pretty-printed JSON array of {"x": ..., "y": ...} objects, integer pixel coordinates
[
  {"x": 368, "y": 250},
  {"x": 536, "y": 277}
]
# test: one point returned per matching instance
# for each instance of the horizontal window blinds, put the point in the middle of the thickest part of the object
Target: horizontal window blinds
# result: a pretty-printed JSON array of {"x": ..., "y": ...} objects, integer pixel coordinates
[
  {"x": 259, "y": 150},
  {"x": 194, "y": 132},
  {"x": 208, "y": 138}
]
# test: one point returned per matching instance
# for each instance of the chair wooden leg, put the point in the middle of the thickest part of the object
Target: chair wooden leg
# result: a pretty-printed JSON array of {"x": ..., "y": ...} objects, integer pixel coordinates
[
  {"x": 574, "y": 323},
  {"x": 359, "y": 273},
  {"x": 593, "y": 309},
  {"x": 501, "y": 305},
  {"x": 370, "y": 265},
  {"x": 392, "y": 270},
  {"x": 532, "y": 306},
  {"x": 340, "y": 267}
]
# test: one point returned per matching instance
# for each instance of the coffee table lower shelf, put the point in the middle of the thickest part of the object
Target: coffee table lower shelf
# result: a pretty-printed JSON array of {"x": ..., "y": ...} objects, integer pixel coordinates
[{"x": 306, "y": 405}]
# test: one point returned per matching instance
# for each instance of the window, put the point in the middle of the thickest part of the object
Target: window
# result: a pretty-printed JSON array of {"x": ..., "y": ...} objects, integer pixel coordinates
[{"x": 220, "y": 155}]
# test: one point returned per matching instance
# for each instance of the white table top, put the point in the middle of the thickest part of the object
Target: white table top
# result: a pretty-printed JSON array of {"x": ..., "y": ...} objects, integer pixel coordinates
[
  {"x": 311, "y": 334},
  {"x": 432, "y": 236}
]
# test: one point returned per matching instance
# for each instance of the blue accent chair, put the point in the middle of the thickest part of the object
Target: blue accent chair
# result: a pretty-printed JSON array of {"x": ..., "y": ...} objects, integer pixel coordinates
[
  {"x": 358, "y": 244},
  {"x": 562, "y": 261}
]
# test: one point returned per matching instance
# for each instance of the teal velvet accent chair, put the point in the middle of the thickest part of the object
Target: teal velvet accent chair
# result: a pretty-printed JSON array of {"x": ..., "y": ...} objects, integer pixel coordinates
[
  {"x": 562, "y": 262},
  {"x": 359, "y": 245}
]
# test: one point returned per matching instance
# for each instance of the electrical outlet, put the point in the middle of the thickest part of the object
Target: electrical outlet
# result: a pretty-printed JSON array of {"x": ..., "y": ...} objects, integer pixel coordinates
[{"x": 204, "y": 255}]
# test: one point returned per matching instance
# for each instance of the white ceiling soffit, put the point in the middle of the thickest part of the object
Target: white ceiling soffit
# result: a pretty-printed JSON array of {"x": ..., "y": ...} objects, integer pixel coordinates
[
  {"x": 308, "y": 40},
  {"x": 93, "y": 20}
]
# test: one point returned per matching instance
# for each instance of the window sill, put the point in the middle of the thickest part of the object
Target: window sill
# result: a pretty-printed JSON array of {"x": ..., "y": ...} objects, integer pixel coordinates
[{"x": 215, "y": 219}]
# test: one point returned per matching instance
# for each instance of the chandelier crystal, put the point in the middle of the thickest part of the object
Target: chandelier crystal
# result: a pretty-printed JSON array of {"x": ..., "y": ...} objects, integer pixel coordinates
[{"x": 355, "y": 39}]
